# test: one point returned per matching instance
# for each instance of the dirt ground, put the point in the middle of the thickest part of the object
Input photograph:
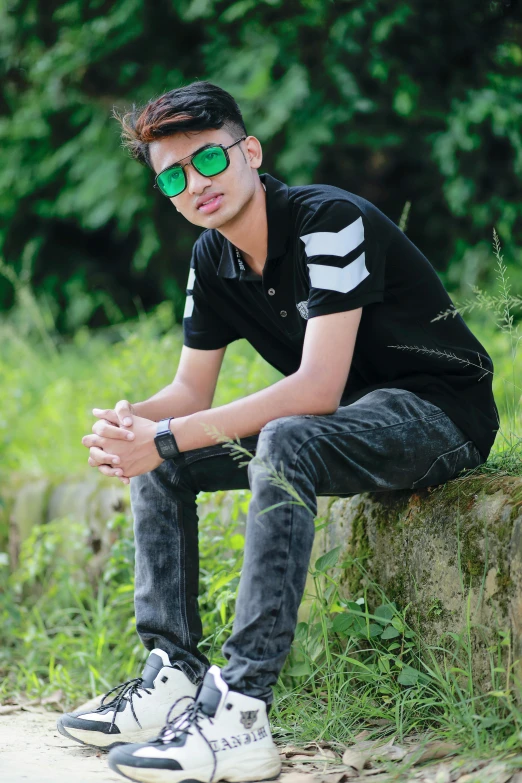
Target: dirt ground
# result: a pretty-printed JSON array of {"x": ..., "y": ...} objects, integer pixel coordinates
[{"x": 33, "y": 751}]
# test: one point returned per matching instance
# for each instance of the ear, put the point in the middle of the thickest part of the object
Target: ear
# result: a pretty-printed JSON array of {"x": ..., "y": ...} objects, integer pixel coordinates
[{"x": 254, "y": 152}]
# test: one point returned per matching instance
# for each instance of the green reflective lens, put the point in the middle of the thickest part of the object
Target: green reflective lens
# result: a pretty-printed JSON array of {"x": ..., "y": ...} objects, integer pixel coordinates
[
  {"x": 210, "y": 161},
  {"x": 172, "y": 181}
]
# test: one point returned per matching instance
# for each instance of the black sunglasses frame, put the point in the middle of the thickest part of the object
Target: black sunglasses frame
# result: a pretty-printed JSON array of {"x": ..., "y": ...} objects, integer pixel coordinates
[{"x": 190, "y": 162}]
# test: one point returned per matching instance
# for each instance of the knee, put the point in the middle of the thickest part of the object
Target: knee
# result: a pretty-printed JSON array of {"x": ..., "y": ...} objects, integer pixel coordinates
[
  {"x": 279, "y": 441},
  {"x": 148, "y": 486}
]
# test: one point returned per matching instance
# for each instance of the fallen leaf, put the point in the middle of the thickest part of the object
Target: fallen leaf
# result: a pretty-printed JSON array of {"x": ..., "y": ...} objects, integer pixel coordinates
[
  {"x": 325, "y": 753},
  {"x": 5, "y": 709},
  {"x": 293, "y": 750},
  {"x": 493, "y": 773},
  {"x": 389, "y": 752},
  {"x": 356, "y": 758},
  {"x": 362, "y": 735},
  {"x": 432, "y": 750},
  {"x": 55, "y": 699}
]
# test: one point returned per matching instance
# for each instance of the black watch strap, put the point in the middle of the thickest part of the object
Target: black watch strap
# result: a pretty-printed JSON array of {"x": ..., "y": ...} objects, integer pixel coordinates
[{"x": 165, "y": 440}]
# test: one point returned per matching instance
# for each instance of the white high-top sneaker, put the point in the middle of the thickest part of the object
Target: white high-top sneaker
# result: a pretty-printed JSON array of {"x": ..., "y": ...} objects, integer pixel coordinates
[
  {"x": 137, "y": 711},
  {"x": 221, "y": 735}
]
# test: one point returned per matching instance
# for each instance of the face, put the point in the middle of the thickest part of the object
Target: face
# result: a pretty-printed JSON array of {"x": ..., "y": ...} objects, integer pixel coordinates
[{"x": 211, "y": 202}]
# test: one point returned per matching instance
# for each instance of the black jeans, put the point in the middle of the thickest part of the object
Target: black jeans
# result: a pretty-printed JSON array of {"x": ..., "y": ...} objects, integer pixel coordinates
[{"x": 389, "y": 439}]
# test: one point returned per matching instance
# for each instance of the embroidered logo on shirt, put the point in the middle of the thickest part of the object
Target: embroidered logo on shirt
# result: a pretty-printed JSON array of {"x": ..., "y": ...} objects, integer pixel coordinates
[{"x": 303, "y": 308}]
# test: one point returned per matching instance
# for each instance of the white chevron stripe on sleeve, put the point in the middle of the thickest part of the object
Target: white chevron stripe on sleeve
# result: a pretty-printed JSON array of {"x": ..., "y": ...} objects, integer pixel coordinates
[
  {"x": 191, "y": 278},
  {"x": 335, "y": 278},
  {"x": 332, "y": 243},
  {"x": 189, "y": 306}
]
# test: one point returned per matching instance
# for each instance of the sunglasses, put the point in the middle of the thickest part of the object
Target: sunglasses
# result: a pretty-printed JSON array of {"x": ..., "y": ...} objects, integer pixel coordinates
[{"x": 208, "y": 161}]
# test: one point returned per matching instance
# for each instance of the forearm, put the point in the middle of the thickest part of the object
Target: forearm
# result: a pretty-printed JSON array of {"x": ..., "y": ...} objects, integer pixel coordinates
[
  {"x": 290, "y": 396},
  {"x": 176, "y": 399}
]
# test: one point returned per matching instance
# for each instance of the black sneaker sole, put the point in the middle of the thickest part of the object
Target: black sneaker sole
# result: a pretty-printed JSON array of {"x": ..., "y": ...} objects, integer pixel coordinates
[{"x": 105, "y": 748}]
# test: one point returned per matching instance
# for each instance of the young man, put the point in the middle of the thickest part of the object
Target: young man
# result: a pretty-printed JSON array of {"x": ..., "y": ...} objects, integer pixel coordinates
[{"x": 331, "y": 293}]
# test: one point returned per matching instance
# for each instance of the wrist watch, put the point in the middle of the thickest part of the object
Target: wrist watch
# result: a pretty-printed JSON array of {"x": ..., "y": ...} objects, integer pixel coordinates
[{"x": 165, "y": 440}]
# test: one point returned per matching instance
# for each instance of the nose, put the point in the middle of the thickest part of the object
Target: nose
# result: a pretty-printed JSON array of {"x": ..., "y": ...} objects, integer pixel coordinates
[{"x": 196, "y": 182}]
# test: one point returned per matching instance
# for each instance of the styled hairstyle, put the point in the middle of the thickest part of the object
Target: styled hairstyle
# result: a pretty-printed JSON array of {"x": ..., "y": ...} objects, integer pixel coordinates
[{"x": 198, "y": 106}]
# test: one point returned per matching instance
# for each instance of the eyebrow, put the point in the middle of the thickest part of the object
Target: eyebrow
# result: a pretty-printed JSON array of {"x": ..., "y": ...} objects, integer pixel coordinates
[{"x": 190, "y": 155}]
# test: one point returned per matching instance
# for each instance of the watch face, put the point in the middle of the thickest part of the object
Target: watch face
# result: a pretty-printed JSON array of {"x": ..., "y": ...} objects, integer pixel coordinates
[{"x": 166, "y": 446}]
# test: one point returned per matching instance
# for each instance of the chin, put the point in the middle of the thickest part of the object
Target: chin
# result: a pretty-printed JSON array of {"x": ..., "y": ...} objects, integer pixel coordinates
[{"x": 217, "y": 219}]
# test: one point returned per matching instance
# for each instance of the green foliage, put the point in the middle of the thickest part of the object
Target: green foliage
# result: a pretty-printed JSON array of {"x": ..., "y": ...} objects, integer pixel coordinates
[
  {"x": 355, "y": 95},
  {"x": 52, "y": 386}
]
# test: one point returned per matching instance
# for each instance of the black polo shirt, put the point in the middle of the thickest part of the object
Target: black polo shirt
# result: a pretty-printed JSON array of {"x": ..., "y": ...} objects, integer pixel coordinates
[{"x": 329, "y": 251}]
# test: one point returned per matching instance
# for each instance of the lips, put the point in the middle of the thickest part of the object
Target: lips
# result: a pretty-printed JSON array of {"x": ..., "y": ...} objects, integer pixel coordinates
[{"x": 209, "y": 203}]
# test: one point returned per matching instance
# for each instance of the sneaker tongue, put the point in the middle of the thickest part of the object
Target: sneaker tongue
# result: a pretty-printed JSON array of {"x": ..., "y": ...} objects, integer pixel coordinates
[
  {"x": 213, "y": 690},
  {"x": 155, "y": 662}
]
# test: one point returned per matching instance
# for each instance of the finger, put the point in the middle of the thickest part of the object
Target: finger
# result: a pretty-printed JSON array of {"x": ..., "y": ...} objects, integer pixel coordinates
[
  {"x": 112, "y": 472},
  {"x": 101, "y": 457},
  {"x": 124, "y": 410},
  {"x": 92, "y": 440},
  {"x": 106, "y": 413},
  {"x": 105, "y": 430}
]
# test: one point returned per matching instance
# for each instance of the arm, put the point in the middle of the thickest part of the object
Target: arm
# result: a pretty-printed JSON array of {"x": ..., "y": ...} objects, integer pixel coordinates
[
  {"x": 192, "y": 389},
  {"x": 315, "y": 388}
]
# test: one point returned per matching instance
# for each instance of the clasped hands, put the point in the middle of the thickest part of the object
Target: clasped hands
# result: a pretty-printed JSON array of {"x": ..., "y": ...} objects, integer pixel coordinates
[{"x": 122, "y": 444}]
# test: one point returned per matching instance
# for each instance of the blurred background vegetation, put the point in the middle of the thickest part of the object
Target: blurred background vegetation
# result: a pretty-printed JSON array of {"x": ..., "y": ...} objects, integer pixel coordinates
[{"x": 395, "y": 101}]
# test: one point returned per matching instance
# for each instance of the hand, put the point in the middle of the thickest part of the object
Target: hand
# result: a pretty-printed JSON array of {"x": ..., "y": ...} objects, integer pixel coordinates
[
  {"x": 121, "y": 417},
  {"x": 133, "y": 452}
]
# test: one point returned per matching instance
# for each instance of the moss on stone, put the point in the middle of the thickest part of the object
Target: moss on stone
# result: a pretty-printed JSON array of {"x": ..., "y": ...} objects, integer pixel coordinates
[{"x": 360, "y": 549}]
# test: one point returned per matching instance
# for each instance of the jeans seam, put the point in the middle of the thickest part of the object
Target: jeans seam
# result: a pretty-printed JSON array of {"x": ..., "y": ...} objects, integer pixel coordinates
[
  {"x": 357, "y": 432},
  {"x": 181, "y": 566},
  {"x": 283, "y": 584},
  {"x": 444, "y": 454}
]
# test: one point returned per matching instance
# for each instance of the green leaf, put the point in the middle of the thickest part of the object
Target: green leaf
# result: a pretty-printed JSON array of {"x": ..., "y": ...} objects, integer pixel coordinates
[
  {"x": 384, "y": 612},
  {"x": 390, "y": 633},
  {"x": 237, "y": 541},
  {"x": 328, "y": 560},
  {"x": 301, "y": 631},
  {"x": 374, "y": 630},
  {"x": 398, "y": 624},
  {"x": 221, "y": 581},
  {"x": 301, "y": 669},
  {"x": 408, "y": 676},
  {"x": 342, "y": 623}
]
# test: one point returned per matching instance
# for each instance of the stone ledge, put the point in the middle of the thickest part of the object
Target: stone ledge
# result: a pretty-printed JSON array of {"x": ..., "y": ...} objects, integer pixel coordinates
[{"x": 434, "y": 549}]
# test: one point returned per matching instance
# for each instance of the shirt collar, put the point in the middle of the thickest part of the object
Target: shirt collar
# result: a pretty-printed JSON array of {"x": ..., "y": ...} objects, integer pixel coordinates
[{"x": 277, "y": 212}]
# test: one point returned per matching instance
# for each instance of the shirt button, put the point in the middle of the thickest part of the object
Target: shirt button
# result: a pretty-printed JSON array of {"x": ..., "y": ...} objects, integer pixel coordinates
[
  {"x": 271, "y": 291},
  {"x": 283, "y": 313}
]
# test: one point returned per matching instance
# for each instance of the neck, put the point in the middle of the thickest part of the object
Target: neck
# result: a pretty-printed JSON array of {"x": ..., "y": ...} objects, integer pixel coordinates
[{"x": 248, "y": 231}]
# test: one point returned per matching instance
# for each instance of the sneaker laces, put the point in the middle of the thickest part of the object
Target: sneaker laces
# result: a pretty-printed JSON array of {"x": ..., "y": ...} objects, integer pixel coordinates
[
  {"x": 184, "y": 723},
  {"x": 126, "y": 690}
]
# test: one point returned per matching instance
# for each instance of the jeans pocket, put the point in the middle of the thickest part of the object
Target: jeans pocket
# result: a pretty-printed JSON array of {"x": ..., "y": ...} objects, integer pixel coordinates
[{"x": 448, "y": 465}]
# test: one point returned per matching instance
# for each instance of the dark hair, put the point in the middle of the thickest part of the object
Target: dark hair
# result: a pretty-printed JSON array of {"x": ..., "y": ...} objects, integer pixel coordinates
[{"x": 198, "y": 106}]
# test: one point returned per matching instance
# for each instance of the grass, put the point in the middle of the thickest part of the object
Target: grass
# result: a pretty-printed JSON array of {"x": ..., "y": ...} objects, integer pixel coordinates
[{"x": 352, "y": 665}]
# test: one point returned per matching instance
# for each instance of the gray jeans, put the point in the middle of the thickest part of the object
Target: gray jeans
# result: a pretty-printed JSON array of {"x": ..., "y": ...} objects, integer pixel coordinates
[{"x": 389, "y": 439}]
